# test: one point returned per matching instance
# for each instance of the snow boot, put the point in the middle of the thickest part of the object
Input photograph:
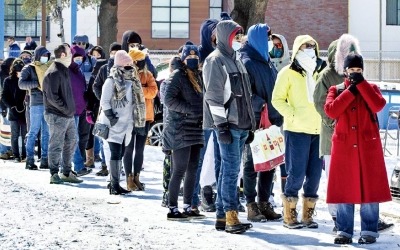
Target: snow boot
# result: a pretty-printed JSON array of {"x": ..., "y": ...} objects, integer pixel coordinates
[
  {"x": 207, "y": 199},
  {"x": 140, "y": 186},
  {"x": 342, "y": 240},
  {"x": 308, "y": 212},
  {"x": 254, "y": 214},
  {"x": 233, "y": 224},
  {"x": 290, "y": 214},
  {"x": 130, "y": 184},
  {"x": 221, "y": 223},
  {"x": 44, "y": 163},
  {"x": 267, "y": 210},
  {"x": 89, "y": 158},
  {"x": 103, "y": 171}
]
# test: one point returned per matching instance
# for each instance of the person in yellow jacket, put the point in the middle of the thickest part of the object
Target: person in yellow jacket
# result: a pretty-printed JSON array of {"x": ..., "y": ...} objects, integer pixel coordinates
[{"x": 293, "y": 98}]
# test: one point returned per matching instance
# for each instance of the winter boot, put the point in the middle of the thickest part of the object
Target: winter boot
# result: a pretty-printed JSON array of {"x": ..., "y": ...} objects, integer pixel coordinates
[
  {"x": 44, "y": 163},
  {"x": 115, "y": 188},
  {"x": 207, "y": 199},
  {"x": 131, "y": 186},
  {"x": 290, "y": 214},
  {"x": 308, "y": 212},
  {"x": 233, "y": 224},
  {"x": 254, "y": 214},
  {"x": 103, "y": 171},
  {"x": 221, "y": 223},
  {"x": 240, "y": 207},
  {"x": 342, "y": 240},
  {"x": 30, "y": 164},
  {"x": 267, "y": 210},
  {"x": 140, "y": 186},
  {"x": 89, "y": 158}
]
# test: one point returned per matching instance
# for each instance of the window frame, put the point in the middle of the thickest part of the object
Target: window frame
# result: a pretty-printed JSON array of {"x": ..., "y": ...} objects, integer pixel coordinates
[
  {"x": 212, "y": 7},
  {"x": 393, "y": 12}
]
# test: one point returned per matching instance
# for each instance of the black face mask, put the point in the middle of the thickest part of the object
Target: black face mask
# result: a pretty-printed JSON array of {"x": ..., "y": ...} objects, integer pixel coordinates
[
  {"x": 141, "y": 64},
  {"x": 192, "y": 63}
]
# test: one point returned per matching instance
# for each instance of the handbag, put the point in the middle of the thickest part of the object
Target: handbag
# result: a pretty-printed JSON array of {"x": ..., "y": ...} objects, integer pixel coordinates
[
  {"x": 268, "y": 146},
  {"x": 5, "y": 131},
  {"x": 100, "y": 129}
]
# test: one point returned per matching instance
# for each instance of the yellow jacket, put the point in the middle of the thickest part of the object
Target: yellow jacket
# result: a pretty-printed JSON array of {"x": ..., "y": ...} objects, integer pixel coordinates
[{"x": 290, "y": 98}]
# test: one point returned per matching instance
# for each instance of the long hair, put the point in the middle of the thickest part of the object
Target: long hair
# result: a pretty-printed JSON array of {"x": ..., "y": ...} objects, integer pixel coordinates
[{"x": 194, "y": 79}]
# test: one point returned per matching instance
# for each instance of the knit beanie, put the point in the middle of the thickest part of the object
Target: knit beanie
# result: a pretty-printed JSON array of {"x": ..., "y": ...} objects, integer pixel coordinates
[
  {"x": 189, "y": 49},
  {"x": 115, "y": 46},
  {"x": 137, "y": 55},
  {"x": 77, "y": 51},
  {"x": 353, "y": 61},
  {"x": 122, "y": 58}
]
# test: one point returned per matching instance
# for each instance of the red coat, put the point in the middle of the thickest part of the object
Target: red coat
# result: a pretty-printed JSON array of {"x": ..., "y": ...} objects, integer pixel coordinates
[{"x": 357, "y": 172}]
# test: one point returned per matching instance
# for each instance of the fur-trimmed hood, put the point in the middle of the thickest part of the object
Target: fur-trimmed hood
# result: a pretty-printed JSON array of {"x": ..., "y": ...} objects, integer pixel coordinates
[{"x": 345, "y": 45}]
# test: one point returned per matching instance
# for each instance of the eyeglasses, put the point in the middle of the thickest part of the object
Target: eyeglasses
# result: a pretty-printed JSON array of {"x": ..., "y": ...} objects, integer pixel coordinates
[
  {"x": 81, "y": 43},
  {"x": 278, "y": 45},
  {"x": 310, "y": 45},
  {"x": 134, "y": 45}
]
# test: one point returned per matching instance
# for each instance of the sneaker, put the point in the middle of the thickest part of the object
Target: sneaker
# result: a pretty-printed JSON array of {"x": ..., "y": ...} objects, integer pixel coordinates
[
  {"x": 70, "y": 178},
  {"x": 83, "y": 171},
  {"x": 175, "y": 215},
  {"x": 382, "y": 226},
  {"x": 366, "y": 239},
  {"x": 103, "y": 172},
  {"x": 55, "y": 179},
  {"x": 193, "y": 213}
]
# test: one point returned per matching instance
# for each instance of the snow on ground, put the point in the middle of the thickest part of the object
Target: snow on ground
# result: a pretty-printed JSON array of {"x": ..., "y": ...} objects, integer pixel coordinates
[{"x": 37, "y": 215}]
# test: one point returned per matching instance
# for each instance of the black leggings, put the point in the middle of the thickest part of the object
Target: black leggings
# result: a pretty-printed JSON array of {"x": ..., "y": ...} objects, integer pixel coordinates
[
  {"x": 117, "y": 150},
  {"x": 184, "y": 163},
  {"x": 136, "y": 144}
]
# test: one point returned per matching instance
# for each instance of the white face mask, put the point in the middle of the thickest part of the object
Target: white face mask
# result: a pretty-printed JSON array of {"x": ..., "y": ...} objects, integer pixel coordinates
[
  {"x": 44, "y": 59},
  {"x": 310, "y": 53},
  {"x": 236, "y": 46}
]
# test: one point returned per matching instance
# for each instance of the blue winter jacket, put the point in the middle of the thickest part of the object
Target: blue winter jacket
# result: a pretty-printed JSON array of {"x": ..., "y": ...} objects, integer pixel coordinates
[{"x": 262, "y": 72}]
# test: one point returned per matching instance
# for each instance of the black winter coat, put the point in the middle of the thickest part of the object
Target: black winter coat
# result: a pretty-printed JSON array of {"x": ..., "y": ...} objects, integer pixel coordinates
[
  {"x": 13, "y": 97},
  {"x": 184, "y": 124},
  {"x": 101, "y": 77}
]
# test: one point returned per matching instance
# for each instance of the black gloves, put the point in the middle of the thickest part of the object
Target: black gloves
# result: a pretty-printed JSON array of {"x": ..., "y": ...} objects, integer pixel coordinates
[
  {"x": 111, "y": 116},
  {"x": 356, "y": 78},
  {"x": 250, "y": 138},
  {"x": 353, "y": 89},
  {"x": 224, "y": 134}
]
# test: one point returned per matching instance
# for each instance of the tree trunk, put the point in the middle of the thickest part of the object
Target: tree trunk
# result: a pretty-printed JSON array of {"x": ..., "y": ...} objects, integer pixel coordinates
[
  {"x": 108, "y": 20},
  {"x": 247, "y": 13}
]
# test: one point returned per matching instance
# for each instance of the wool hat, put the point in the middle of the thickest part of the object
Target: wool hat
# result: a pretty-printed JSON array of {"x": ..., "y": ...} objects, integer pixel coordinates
[
  {"x": 353, "y": 61},
  {"x": 115, "y": 46},
  {"x": 81, "y": 38},
  {"x": 189, "y": 49},
  {"x": 77, "y": 51},
  {"x": 122, "y": 58},
  {"x": 26, "y": 52},
  {"x": 17, "y": 65},
  {"x": 137, "y": 55}
]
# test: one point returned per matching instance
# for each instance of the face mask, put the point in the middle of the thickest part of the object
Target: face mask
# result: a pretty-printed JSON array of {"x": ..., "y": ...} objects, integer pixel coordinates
[
  {"x": 78, "y": 61},
  {"x": 276, "y": 53},
  {"x": 310, "y": 53},
  {"x": 27, "y": 60},
  {"x": 192, "y": 63},
  {"x": 44, "y": 59},
  {"x": 236, "y": 46},
  {"x": 355, "y": 77},
  {"x": 141, "y": 64},
  {"x": 270, "y": 45},
  {"x": 128, "y": 72}
]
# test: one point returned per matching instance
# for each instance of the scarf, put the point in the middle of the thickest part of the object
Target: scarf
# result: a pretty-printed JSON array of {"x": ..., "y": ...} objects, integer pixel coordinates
[
  {"x": 119, "y": 75},
  {"x": 64, "y": 60},
  {"x": 308, "y": 64},
  {"x": 40, "y": 69}
]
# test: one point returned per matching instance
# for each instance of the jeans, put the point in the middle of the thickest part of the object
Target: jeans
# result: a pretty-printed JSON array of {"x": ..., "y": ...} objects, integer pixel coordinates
[
  {"x": 184, "y": 163},
  {"x": 302, "y": 162},
  {"x": 103, "y": 156},
  {"x": 217, "y": 163},
  {"x": 78, "y": 159},
  {"x": 97, "y": 146},
  {"x": 37, "y": 122},
  {"x": 136, "y": 144},
  {"x": 62, "y": 142},
  {"x": 369, "y": 213},
  {"x": 231, "y": 155},
  {"x": 264, "y": 183},
  {"x": 18, "y": 129}
]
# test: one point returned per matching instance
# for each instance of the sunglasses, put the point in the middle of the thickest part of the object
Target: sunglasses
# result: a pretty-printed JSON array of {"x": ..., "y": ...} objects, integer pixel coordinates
[
  {"x": 81, "y": 43},
  {"x": 310, "y": 46}
]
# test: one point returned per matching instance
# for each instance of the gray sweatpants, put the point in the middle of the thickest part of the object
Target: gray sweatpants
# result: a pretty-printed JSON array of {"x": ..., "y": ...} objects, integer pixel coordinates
[{"x": 62, "y": 142}]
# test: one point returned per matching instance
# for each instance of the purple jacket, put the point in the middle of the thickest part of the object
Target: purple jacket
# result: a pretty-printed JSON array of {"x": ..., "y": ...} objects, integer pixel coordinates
[{"x": 78, "y": 85}]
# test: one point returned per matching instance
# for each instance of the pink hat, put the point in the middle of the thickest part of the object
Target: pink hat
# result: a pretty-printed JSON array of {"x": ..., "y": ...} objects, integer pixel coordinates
[{"x": 121, "y": 58}]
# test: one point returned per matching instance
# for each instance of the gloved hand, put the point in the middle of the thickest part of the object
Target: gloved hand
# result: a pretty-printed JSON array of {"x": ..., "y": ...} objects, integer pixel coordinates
[
  {"x": 250, "y": 138},
  {"x": 224, "y": 134},
  {"x": 111, "y": 116},
  {"x": 4, "y": 112},
  {"x": 89, "y": 117},
  {"x": 356, "y": 78},
  {"x": 353, "y": 89}
]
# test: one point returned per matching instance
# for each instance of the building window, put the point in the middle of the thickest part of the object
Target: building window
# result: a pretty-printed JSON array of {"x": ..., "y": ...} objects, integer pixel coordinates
[
  {"x": 392, "y": 12},
  {"x": 19, "y": 26},
  {"x": 215, "y": 9},
  {"x": 170, "y": 19}
]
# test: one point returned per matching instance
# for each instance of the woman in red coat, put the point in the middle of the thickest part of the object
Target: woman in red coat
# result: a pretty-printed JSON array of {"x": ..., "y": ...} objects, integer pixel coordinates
[{"x": 357, "y": 171}]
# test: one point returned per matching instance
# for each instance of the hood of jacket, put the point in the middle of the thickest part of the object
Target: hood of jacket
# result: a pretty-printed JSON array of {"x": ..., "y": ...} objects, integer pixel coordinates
[
  {"x": 331, "y": 53},
  {"x": 41, "y": 51},
  {"x": 345, "y": 45},
  {"x": 206, "y": 30},
  {"x": 286, "y": 54},
  {"x": 110, "y": 64},
  {"x": 226, "y": 31},
  {"x": 128, "y": 37},
  {"x": 257, "y": 38},
  {"x": 300, "y": 40}
]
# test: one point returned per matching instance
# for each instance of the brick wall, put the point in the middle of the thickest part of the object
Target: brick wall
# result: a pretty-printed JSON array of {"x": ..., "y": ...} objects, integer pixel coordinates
[{"x": 324, "y": 20}]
